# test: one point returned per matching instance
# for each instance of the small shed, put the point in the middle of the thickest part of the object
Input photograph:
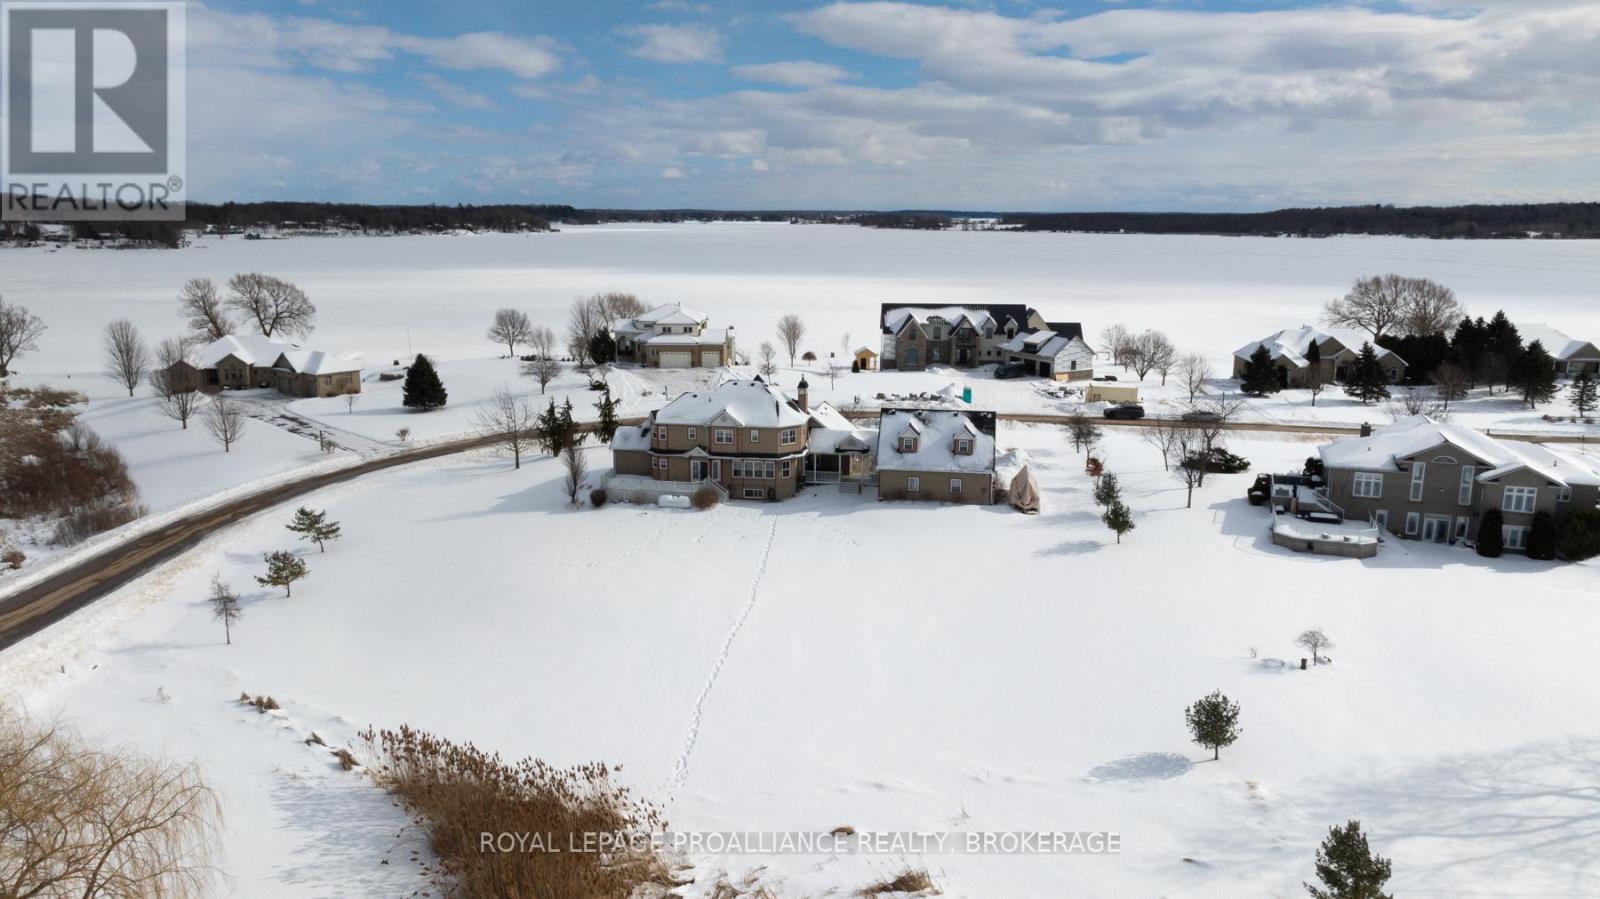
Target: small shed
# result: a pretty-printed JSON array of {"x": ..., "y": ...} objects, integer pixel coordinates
[
  {"x": 1024, "y": 492},
  {"x": 866, "y": 359},
  {"x": 1111, "y": 393}
]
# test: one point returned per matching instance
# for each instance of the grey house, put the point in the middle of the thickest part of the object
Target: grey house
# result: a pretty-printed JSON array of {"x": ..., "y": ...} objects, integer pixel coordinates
[
  {"x": 964, "y": 336},
  {"x": 1421, "y": 479}
]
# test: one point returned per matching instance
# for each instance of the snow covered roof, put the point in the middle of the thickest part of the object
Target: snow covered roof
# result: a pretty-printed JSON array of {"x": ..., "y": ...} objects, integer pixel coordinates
[
  {"x": 751, "y": 403},
  {"x": 316, "y": 362},
  {"x": 1410, "y": 436},
  {"x": 631, "y": 437},
  {"x": 673, "y": 314},
  {"x": 824, "y": 415},
  {"x": 833, "y": 440},
  {"x": 251, "y": 349},
  {"x": 708, "y": 337},
  {"x": 1292, "y": 344},
  {"x": 1044, "y": 343},
  {"x": 955, "y": 315},
  {"x": 1557, "y": 344},
  {"x": 865, "y": 350},
  {"x": 935, "y": 445}
]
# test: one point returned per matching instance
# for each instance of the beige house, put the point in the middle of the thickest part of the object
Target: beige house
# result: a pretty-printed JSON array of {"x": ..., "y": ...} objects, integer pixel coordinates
[
  {"x": 866, "y": 359},
  {"x": 1572, "y": 356},
  {"x": 673, "y": 336},
  {"x": 1421, "y": 479},
  {"x": 940, "y": 455},
  {"x": 965, "y": 336},
  {"x": 1288, "y": 349},
  {"x": 239, "y": 361},
  {"x": 746, "y": 437}
]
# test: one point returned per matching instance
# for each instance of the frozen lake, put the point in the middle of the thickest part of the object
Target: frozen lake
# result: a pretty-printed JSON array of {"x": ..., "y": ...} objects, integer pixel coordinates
[{"x": 386, "y": 297}]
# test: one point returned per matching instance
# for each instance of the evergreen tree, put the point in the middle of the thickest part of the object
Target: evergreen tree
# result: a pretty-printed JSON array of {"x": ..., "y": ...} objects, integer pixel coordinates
[
  {"x": 1491, "y": 540},
  {"x": 1315, "y": 381},
  {"x": 1467, "y": 346},
  {"x": 606, "y": 427},
  {"x": 568, "y": 428},
  {"x": 314, "y": 526},
  {"x": 1502, "y": 346},
  {"x": 1214, "y": 722},
  {"x": 283, "y": 569},
  {"x": 1534, "y": 375},
  {"x": 1367, "y": 380},
  {"x": 422, "y": 389},
  {"x": 1347, "y": 868},
  {"x": 1260, "y": 375},
  {"x": 1118, "y": 518},
  {"x": 602, "y": 348},
  {"x": 1542, "y": 537},
  {"x": 550, "y": 430},
  {"x": 1583, "y": 395},
  {"x": 855, "y": 366},
  {"x": 1107, "y": 490}
]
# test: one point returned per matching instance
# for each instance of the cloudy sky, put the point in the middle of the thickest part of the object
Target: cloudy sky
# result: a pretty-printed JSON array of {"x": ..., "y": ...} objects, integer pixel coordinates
[{"x": 1081, "y": 104}]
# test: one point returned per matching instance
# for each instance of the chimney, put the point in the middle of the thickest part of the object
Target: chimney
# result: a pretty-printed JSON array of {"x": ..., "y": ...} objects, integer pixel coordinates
[{"x": 801, "y": 388}]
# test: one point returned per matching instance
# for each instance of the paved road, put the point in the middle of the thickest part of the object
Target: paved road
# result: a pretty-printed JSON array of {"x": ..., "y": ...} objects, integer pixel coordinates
[{"x": 75, "y": 586}]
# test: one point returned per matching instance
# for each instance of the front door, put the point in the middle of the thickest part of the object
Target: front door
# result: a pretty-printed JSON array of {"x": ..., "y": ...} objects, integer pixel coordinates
[
  {"x": 697, "y": 469},
  {"x": 1436, "y": 529}
]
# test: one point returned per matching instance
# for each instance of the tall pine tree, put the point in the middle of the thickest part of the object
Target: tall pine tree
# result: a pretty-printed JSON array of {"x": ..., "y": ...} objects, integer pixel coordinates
[
  {"x": 1260, "y": 374},
  {"x": 1367, "y": 381},
  {"x": 1467, "y": 347},
  {"x": 550, "y": 430},
  {"x": 1502, "y": 346},
  {"x": 1347, "y": 867},
  {"x": 1534, "y": 375},
  {"x": 606, "y": 427},
  {"x": 422, "y": 389},
  {"x": 1583, "y": 394}
]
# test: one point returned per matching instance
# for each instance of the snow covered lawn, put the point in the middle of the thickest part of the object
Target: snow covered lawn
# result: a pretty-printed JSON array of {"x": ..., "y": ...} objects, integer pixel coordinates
[{"x": 889, "y": 666}]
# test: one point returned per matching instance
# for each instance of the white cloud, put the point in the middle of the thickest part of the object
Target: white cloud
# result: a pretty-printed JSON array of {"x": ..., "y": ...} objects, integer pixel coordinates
[
  {"x": 675, "y": 43},
  {"x": 453, "y": 93},
  {"x": 793, "y": 74},
  {"x": 673, "y": 173}
]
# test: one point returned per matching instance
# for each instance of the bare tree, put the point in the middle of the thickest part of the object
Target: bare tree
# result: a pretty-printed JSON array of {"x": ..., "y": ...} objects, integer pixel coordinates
[
  {"x": 768, "y": 354},
  {"x": 80, "y": 820},
  {"x": 225, "y": 606},
  {"x": 1194, "y": 371},
  {"x": 172, "y": 384},
  {"x": 511, "y": 327},
  {"x": 1118, "y": 344},
  {"x": 277, "y": 307},
  {"x": 1185, "y": 444},
  {"x": 127, "y": 358},
  {"x": 350, "y": 400},
  {"x": 618, "y": 307},
  {"x": 790, "y": 331},
  {"x": 1083, "y": 432},
  {"x": 1162, "y": 433},
  {"x": 1212, "y": 429},
  {"x": 544, "y": 368},
  {"x": 1431, "y": 308},
  {"x": 583, "y": 322},
  {"x": 1316, "y": 641},
  {"x": 1151, "y": 351},
  {"x": 1394, "y": 303},
  {"x": 224, "y": 420},
  {"x": 572, "y": 459},
  {"x": 1414, "y": 401},
  {"x": 19, "y": 333},
  {"x": 509, "y": 419},
  {"x": 201, "y": 304},
  {"x": 1452, "y": 379},
  {"x": 1316, "y": 377}
]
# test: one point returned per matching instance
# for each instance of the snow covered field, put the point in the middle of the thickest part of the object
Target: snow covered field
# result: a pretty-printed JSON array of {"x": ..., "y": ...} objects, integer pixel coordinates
[{"x": 835, "y": 660}]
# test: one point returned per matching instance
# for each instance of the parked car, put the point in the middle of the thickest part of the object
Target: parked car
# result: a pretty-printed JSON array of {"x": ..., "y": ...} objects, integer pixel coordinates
[
  {"x": 1105, "y": 377},
  {"x": 1010, "y": 370},
  {"x": 1201, "y": 415},
  {"x": 1125, "y": 411}
]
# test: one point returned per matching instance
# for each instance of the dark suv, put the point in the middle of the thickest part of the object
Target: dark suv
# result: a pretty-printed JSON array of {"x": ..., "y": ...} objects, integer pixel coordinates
[
  {"x": 1125, "y": 411},
  {"x": 1010, "y": 370}
]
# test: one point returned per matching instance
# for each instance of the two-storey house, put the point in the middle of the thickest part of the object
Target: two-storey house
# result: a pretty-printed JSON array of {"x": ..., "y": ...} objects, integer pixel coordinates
[
  {"x": 1429, "y": 481},
  {"x": 673, "y": 336},
  {"x": 964, "y": 336},
  {"x": 940, "y": 455}
]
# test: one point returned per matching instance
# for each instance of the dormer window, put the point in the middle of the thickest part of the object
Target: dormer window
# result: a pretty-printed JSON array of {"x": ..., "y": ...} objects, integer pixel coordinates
[
  {"x": 963, "y": 446},
  {"x": 908, "y": 443}
]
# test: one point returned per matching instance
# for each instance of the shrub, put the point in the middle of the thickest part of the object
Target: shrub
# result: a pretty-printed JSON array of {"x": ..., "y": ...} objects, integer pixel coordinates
[
  {"x": 1542, "y": 537},
  {"x": 1260, "y": 490},
  {"x": 84, "y": 522},
  {"x": 1221, "y": 462},
  {"x": 907, "y": 881},
  {"x": 1580, "y": 535},
  {"x": 347, "y": 759},
  {"x": 598, "y": 497},
  {"x": 705, "y": 498},
  {"x": 1491, "y": 542},
  {"x": 264, "y": 704},
  {"x": 13, "y": 559},
  {"x": 458, "y": 792},
  {"x": 315, "y": 740}
]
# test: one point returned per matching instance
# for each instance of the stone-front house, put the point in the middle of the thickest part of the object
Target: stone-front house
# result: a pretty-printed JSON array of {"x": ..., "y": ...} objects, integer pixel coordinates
[
  {"x": 965, "y": 336},
  {"x": 1429, "y": 481},
  {"x": 1052, "y": 354},
  {"x": 245, "y": 360},
  {"x": 1572, "y": 356},
  {"x": 745, "y": 435},
  {"x": 940, "y": 455},
  {"x": 1288, "y": 349},
  {"x": 673, "y": 336}
]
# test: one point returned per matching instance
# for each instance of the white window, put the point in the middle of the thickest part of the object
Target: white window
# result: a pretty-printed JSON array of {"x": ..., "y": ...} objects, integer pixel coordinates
[
  {"x": 767, "y": 469},
  {"x": 738, "y": 468},
  {"x": 1565, "y": 495},
  {"x": 755, "y": 436},
  {"x": 1515, "y": 537},
  {"x": 691, "y": 433},
  {"x": 1519, "y": 499},
  {"x": 1367, "y": 485},
  {"x": 789, "y": 436},
  {"x": 1417, "y": 472},
  {"x": 913, "y": 484},
  {"x": 1464, "y": 494},
  {"x": 955, "y": 486},
  {"x": 963, "y": 446},
  {"x": 716, "y": 469},
  {"x": 661, "y": 434},
  {"x": 723, "y": 436},
  {"x": 908, "y": 443},
  {"x": 1382, "y": 518},
  {"x": 1413, "y": 523},
  {"x": 754, "y": 493},
  {"x": 787, "y": 469}
]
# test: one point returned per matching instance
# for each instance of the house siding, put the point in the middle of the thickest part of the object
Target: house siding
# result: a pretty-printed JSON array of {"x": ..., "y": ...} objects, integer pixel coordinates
[{"x": 976, "y": 488}]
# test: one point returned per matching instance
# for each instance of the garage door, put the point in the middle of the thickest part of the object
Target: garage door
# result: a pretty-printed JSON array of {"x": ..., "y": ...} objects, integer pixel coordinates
[
  {"x": 677, "y": 360},
  {"x": 711, "y": 358}
]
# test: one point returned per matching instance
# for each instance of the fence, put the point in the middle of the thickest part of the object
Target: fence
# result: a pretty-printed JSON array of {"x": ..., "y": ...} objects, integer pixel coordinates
[{"x": 638, "y": 488}]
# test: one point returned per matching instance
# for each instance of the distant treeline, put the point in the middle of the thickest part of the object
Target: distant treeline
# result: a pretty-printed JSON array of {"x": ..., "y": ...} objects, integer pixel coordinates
[
  {"x": 362, "y": 217},
  {"x": 1509, "y": 221}
]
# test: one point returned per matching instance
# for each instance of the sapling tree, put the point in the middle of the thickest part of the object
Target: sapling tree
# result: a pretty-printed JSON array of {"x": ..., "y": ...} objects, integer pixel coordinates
[
  {"x": 225, "y": 606},
  {"x": 1214, "y": 722},
  {"x": 314, "y": 526},
  {"x": 508, "y": 419},
  {"x": 575, "y": 466},
  {"x": 1347, "y": 868},
  {"x": 283, "y": 569},
  {"x": 127, "y": 356},
  {"x": 1315, "y": 641},
  {"x": 1118, "y": 518},
  {"x": 1107, "y": 490},
  {"x": 224, "y": 420},
  {"x": 768, "y": 354},
  {"x": 1083, "y": 432}
]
